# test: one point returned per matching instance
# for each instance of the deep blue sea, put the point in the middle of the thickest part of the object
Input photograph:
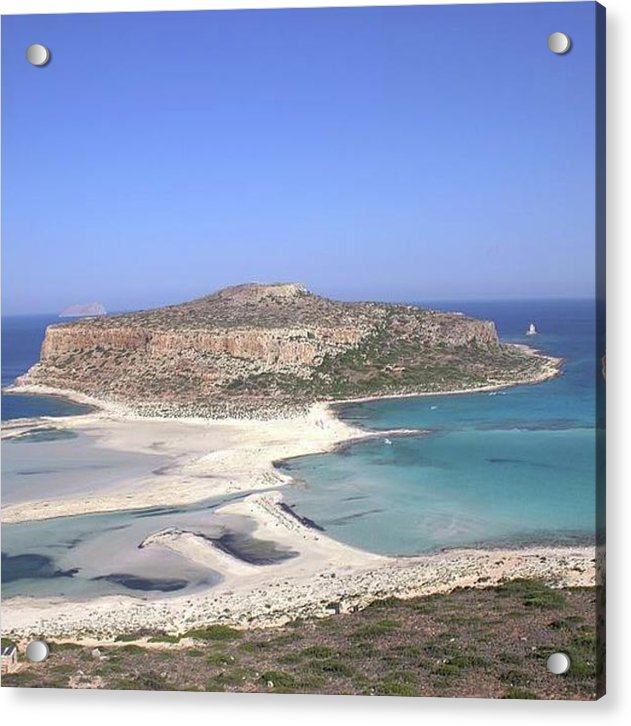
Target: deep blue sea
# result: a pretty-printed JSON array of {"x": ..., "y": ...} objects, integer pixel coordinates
[
  {"x": 507, "y": 467},
  {"x": 22, "y": 337},
  {"x": 493, "y": 468}
]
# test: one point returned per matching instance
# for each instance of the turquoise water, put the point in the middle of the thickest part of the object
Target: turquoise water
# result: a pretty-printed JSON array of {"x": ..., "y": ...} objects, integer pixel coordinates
[
  {"x": 505, "y": 467},
  {"x": 510, "y": 467}
]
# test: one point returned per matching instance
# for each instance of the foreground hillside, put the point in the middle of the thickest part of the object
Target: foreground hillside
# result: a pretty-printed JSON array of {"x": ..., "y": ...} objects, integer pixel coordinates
[
  {"x": 268, "y": 350},
  {"x": 489, "y": 643}
]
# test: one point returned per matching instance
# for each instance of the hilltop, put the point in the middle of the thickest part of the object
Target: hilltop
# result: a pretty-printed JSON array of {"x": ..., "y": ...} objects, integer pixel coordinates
[{"x": 273, "y": 349}]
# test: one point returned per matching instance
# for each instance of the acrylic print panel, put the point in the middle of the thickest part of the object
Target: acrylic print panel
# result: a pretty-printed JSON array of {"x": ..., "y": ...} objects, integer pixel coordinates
[{"x": 303, "y": 356}]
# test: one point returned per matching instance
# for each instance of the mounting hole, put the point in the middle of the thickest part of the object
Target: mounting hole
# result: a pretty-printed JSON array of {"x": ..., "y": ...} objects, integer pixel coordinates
[
  {"x": 558, "y": 663},
  {"x": 37, "y": 651},
  {"x": 37, "y": 54},
  {"x": 559, "y": 43}
]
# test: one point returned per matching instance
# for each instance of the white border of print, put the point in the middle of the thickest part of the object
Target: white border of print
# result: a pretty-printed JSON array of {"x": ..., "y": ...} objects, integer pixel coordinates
[{"x": 100, "y": 707}]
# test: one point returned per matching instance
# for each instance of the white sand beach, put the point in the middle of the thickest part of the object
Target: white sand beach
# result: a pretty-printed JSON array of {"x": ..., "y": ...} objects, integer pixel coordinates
[
  {"x": 211, "y": 458},
  {"x": 206, "y": 458}
]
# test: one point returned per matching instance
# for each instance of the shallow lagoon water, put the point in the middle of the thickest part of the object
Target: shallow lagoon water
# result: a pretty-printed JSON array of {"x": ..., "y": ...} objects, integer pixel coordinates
[
  {"x": 83, "y": 553},
  {"x": 498, "y": 468},
  {"x": 99, "y": 554},
  {"x": 86, "y": 556},
  {"x": 419, "y": 494},
  {"x": 35, "y": 469}
]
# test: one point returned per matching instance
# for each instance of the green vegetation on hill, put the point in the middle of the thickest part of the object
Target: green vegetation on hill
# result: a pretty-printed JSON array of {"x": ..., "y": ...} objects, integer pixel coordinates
[{"x": 490, "y": 643}]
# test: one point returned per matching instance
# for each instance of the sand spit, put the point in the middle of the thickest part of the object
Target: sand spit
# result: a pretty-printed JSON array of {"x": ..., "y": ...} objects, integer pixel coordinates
[
  {"x": 325, "y": 578},
  {"x": 213, "y": 458},
  {"x": 208, "y": 458},
  {"x": 198, "y": 549}
]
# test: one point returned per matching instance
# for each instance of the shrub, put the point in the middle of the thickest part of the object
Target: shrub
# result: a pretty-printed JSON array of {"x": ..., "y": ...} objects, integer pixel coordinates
[{"x": 213, "y": 632}]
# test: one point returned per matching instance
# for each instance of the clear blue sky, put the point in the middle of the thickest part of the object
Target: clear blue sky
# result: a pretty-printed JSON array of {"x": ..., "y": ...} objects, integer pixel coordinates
[{"x": 417, "y": 153}]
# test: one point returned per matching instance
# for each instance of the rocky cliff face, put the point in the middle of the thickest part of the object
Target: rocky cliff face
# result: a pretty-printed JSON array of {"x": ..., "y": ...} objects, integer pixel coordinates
[
  {"x": 277, "y": 350},
  {"x": 270, "y": 349}
]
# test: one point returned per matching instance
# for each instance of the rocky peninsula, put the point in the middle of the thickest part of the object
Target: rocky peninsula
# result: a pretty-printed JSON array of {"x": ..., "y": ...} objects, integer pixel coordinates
[{"x": 270, "y": 350}]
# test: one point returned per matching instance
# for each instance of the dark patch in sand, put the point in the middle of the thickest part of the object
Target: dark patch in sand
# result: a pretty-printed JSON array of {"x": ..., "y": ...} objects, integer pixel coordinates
[
  {"x": 251, "y": 550},
  {"x": 305, "y": 521},
  {"x": 133, "y": 582}
]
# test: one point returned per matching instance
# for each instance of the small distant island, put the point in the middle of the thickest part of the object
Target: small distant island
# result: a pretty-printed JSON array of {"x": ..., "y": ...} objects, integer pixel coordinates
[
  {"x": 89, "y": 310},
  {"x": 272, "y": 350}
]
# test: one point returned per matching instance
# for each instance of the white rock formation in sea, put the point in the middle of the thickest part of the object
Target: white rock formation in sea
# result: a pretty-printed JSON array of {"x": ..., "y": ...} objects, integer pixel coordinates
[{"x": 89, "y": 310}]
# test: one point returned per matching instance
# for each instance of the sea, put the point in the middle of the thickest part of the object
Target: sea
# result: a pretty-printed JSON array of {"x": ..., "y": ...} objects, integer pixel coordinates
[
  {"x": 22, "y": 337},
  {"x": 504, "y": 468}
]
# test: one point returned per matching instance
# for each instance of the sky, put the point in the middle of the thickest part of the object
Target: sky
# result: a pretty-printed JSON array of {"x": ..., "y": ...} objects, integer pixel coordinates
[{"x": 401, "y": 154}]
